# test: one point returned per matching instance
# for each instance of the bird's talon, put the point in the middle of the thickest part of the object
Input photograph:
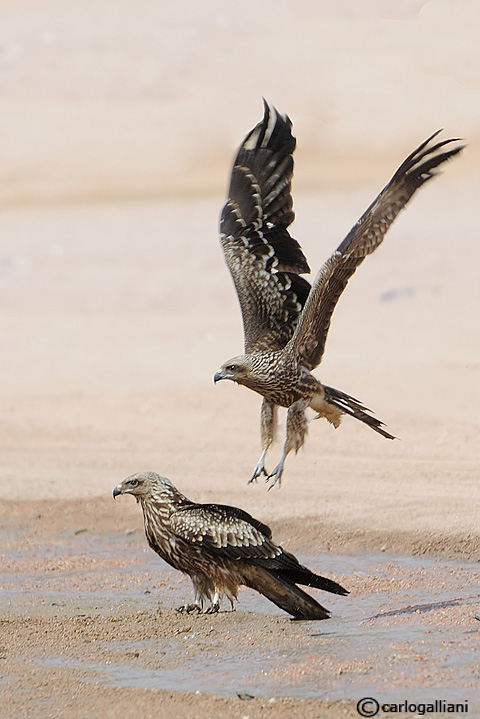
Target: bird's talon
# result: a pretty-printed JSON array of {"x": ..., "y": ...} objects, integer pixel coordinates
[
  {"x": 276, "y": 477},
  {"x": 257, "y": 472},
  {"x": 213, "y": 609},
  {"x": 276, "y": 481},
  {"x": 189, "y": 609}
]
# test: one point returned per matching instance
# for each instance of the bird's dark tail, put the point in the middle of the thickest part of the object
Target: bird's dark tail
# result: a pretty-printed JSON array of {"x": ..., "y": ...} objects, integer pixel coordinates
[
  {"x": 301, "y": 575},
  {"x": 284, "y": 593},
  {"x": 349, "y": 405}
]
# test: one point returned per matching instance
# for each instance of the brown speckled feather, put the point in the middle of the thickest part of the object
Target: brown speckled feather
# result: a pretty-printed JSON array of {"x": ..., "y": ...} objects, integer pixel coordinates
[
  {"x": 222, "y": 547},
  {"x": 285, "y": 321},
  {"x": 224, "y": 530},
  {"x": 311, "y": 331},
  {"x": 264, "y": 260}
]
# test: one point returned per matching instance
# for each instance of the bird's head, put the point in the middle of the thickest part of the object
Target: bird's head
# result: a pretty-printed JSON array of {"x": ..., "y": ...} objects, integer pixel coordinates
[
  {"x": 143, "y": 485},
  {"x": 236, "y": 369}
]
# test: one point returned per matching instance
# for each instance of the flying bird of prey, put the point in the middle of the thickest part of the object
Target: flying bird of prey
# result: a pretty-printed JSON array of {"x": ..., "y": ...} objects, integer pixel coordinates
[
  {"x": 221, "y": 548},
  {"x": 286, "y": 320}
]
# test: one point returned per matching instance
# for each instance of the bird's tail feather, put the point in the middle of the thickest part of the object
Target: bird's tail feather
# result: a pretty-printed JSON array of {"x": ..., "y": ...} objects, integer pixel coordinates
[
  {"x": 349, "y": 405},
  {"x": 309, "y": 579},
  {"x": 286, "y": 566},
  {"x": 284, "y": 593}
]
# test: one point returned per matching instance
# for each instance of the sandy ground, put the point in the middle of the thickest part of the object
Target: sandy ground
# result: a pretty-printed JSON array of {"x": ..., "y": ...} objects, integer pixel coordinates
[
  {"x": 89, "y": 627},
  {"x": 108, "y": 354},
  {"x": 117, "y": 128}
]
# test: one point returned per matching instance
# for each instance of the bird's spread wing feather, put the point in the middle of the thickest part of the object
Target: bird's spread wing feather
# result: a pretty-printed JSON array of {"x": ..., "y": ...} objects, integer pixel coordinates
[
  {"x": 264, "y": 260},
  {"x": 308, "y": 341},
  {"x": 224, "y": 530}
]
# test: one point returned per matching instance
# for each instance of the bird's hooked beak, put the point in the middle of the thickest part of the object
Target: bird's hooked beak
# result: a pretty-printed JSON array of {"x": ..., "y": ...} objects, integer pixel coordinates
[
  {"x": 217, "y": 377},
  {"x": 118, "y": 490}
]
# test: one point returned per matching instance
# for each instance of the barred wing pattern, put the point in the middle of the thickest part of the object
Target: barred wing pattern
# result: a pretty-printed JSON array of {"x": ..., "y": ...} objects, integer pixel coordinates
[
  {"x": 264, "y": 260},
  {"x": 231, "y": 533},
  {"x": 225, "y": 531},
  {"x": 221, "y": 548},
  {"x": 310, "y": 335}
]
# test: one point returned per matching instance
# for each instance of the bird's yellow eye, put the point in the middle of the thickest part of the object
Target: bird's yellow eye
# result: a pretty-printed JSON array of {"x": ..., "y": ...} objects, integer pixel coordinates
[{"x": 133, "y": 483}]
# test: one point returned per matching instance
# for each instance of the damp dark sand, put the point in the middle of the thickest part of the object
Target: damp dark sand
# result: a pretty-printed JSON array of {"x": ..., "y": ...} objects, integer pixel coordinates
[{"x": 89, "y": 621}]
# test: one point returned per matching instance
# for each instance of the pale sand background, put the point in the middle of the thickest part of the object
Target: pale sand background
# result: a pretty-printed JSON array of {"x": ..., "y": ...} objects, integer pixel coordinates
[
  {"x": 104, "y": 99},
  {"x": 115, "y": 315}
]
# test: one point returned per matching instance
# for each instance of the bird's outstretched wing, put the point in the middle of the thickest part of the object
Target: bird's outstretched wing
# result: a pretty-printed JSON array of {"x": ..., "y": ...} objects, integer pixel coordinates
[
  {"x": 224, "y": 530},
  {"x": 308, "y": 341},
  {"x": 264, "y": 260}
]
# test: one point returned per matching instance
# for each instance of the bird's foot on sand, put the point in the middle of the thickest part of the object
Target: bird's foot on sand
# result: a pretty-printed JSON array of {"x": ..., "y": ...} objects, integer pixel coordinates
[
  {"x": 213, "y": 608},
  {"x": 189, "y": 609}
]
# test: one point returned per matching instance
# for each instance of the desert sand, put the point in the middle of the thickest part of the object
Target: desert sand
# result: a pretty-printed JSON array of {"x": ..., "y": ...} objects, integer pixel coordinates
[{"x": 118, "y": 129}]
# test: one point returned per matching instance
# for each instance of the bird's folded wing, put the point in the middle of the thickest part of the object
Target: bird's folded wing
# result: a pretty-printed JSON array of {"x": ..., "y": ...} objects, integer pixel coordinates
[
  {"x": 224, "y": 530},
  {"x": 264, "y": 260},
  {"x": 308, "y": 341}
]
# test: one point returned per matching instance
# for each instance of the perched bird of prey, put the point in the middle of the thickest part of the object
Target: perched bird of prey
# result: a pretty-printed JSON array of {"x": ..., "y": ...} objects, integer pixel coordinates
[
  {"x": 221, "y": 548},
  {"x": 286, "y": 320}
]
